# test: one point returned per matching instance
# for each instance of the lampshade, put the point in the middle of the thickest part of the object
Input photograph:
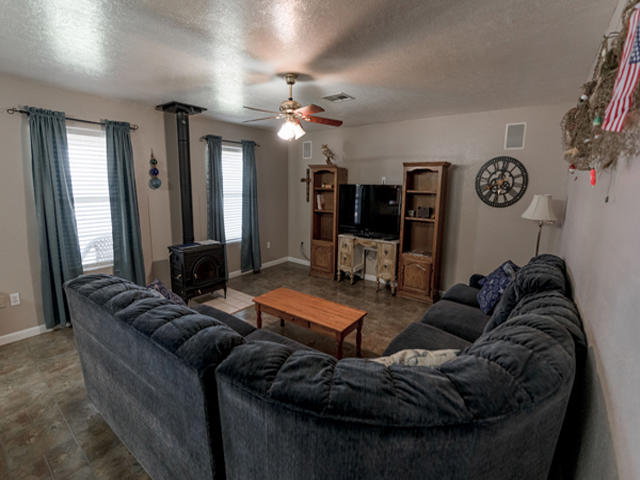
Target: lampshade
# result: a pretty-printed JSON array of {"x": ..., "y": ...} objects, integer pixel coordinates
[
  {"x": 291, "y": 129},
  {"x": 540, "y": 209}
]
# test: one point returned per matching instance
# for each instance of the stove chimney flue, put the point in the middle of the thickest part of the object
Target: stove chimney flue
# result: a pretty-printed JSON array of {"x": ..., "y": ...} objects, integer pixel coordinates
[{"x": 182, "y": 111}]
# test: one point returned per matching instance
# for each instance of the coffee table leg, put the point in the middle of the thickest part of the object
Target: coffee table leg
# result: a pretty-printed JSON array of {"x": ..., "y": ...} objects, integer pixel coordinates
[
  {"x": 258, "y": 316},
  {"x": 282, "y": 322},
  {"x": 359, "y": 339},
  {"x": 339, "y": 339}
]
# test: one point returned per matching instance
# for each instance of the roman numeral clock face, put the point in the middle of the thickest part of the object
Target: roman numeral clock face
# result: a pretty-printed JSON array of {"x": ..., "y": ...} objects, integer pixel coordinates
[{"x": 501, "y": 181}]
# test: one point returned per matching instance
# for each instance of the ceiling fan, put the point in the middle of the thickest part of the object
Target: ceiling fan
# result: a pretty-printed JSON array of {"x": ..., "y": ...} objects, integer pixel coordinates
[{"x": 293, "y": 112}]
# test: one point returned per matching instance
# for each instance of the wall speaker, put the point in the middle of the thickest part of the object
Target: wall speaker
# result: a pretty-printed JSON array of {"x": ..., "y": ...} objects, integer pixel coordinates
[
  {"x": 514, "y": 136},
  {"x": 306, "y": 150}
]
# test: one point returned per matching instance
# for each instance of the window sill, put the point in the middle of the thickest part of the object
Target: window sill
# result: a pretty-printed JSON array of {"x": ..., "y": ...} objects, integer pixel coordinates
[
  {"x": 238, "y": 240},
  {"x": 97, "y": 268}
]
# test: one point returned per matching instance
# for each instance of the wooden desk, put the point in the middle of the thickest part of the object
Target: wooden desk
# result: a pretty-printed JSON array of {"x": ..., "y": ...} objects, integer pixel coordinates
[
  {"x": 352, "y": 258},
  {"x": 314, "y": 313}
]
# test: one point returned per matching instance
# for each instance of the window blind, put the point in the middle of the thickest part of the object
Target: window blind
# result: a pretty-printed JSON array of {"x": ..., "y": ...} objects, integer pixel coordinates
[
  {"x": 88, "y": 166},
  {"x": 232, "y": 191}
]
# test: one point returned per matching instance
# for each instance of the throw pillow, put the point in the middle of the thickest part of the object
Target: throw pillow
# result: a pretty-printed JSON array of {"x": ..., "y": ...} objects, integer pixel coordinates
[
  {"x": 162, "y": 289},
  {"x": 495, "y": 284},
  {"x": 503, "y": 308},
  {"x": 418, "y": 358}
]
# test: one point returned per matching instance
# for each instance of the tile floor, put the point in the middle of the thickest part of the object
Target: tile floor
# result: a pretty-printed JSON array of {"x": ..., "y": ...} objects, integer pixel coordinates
[{"x": 48, "y": 428}]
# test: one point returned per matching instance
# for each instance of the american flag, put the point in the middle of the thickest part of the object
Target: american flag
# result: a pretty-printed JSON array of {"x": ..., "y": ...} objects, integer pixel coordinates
[{"x": 627, "y": 77}]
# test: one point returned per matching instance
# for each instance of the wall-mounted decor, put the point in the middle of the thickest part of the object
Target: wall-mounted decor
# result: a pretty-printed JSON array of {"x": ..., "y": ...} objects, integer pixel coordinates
[
  {"x": 604, "y": 126},
  {"x": 501, "y": 181},
  {"x": 154, "y": 181}
]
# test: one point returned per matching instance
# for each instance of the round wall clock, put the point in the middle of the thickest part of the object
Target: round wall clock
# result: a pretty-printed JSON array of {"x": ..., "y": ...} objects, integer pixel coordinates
[{"x": 501, "y": 181}]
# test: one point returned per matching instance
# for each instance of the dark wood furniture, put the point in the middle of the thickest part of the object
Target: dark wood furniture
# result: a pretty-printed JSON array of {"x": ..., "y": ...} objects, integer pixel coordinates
[
  {"x": 424, "y": 191},
  {"x": 325, "y": 180},
  {"x": 197, "y": 268},
  {"x": 314, "y": 313}
]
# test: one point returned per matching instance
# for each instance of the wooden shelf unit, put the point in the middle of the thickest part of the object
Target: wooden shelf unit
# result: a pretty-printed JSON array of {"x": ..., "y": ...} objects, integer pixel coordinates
[
  {"x": 424, "y": 185},
  {"x": 325, "y": 180}
]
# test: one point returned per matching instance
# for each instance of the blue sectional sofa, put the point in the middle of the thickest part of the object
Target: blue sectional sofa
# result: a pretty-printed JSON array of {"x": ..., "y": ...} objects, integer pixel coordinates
[{"x": 204, "y": 395}]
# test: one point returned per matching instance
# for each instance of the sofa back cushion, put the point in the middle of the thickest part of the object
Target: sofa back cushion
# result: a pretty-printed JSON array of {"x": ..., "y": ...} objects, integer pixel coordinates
[
  {"x": 148, "y": 367},
  {"x": 542, "y": 273}
]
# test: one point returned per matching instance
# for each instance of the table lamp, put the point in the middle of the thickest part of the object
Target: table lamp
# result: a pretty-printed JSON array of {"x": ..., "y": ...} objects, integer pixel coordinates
[{"x": 541, "y": 211}]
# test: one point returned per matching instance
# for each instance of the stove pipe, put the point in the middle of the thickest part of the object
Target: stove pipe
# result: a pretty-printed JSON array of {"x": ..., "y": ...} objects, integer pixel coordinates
[{"x": 182, "y": 111}]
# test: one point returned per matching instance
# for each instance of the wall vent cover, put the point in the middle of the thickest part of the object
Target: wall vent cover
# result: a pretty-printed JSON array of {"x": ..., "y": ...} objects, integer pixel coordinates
[
  {"x": 306, "y": 150},
  {"x": 514, "y": 136},
  {"x": 339, "y": 97}
]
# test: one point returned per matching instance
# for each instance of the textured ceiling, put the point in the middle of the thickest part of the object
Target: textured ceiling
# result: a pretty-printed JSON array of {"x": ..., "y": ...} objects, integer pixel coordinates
[{"x": 401, "y": 59}]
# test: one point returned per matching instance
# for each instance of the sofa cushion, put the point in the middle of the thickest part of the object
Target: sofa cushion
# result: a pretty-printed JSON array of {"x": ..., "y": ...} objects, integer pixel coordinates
[
  {"x": 420, "y": 335},
  {"x": 494, "y": 285},
  {"x": 462, "y": 293},
  {"x": 237, "y": 324},
  {"x": 542, "y": 273},
  {"x": 262, "y": 335},
  {"x": 418, "y": 357},
  {"x": 503, "y": 309},
  {"x": 457, "y": 319}
]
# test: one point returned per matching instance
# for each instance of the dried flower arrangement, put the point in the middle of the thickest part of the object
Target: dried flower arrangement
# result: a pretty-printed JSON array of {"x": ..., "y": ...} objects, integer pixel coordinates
[{"x": 587, "y": 145}]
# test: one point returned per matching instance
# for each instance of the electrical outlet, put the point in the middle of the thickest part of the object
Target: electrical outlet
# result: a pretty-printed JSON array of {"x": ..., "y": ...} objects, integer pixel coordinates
[
  {"x": 268, "y": 244},
  {"x": 15, "y": 299}
]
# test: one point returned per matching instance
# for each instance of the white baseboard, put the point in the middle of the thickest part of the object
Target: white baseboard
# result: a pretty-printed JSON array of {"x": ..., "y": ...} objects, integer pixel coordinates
[
  {"x": 299, "y": 261},
  {"x": 22, "y": 334},
  {"x": 272, "y": 263}
]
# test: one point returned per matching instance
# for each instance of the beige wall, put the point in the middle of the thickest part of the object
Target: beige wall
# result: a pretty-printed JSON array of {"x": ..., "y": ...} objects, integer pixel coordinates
[
  {"x": 19, "y": 256},
  {"x": 600, "y": 243},
  {"x": 477, "y": 237}
]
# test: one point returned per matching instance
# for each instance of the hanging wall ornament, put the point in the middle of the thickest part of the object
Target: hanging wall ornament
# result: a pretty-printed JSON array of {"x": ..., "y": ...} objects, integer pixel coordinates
[
  {"x": 154, "y": 181},
  {"x": 588, "y": 136}
]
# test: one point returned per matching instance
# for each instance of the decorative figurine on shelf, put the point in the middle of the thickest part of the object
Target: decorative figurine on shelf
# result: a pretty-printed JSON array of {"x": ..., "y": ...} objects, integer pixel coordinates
[
  {"x": 154, "y": 181},
  {"x": 328, "y": 154}
]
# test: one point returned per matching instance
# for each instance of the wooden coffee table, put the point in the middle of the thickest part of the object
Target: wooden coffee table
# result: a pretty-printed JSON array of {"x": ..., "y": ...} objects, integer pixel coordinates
[{"x": 312, "y": 312}]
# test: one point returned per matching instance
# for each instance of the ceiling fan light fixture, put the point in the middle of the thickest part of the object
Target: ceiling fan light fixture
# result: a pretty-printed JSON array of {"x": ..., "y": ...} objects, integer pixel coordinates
[
  {"x": 290, "y": 130},
  {"x": 299, "y": 131}
]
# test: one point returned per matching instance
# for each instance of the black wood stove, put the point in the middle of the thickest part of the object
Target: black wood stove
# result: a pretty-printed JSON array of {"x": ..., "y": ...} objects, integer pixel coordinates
[{"x": 196, "y": 268}]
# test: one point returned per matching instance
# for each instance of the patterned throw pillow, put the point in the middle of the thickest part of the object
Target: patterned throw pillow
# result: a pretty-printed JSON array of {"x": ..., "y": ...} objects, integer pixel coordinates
[
  {"x": 162, "y": 289},
  {"x": 495, "y": 284},
  {"x": 418, "y": 358}
]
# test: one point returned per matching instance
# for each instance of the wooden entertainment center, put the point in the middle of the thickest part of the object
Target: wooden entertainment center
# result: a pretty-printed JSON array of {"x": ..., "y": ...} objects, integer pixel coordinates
[{"x": 411, "y": 264}]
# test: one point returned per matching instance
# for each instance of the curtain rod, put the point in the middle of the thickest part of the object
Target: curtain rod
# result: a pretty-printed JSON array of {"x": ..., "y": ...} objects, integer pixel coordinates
[
  {"x": 204, "y": 139},
  {"x": 13, "y": 110}
]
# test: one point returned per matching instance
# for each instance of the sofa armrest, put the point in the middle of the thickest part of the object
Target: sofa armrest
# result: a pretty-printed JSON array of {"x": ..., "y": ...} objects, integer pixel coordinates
[{"x": 476, "y": 280}]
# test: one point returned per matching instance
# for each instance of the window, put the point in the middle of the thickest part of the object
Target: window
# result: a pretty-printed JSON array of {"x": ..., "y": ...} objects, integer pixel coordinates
[
  {"x": 88, "y": 165},
  {"x": 232, "y": 191}
]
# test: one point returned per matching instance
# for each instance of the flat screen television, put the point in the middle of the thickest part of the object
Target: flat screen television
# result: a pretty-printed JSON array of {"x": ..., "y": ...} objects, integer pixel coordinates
[{"x": 370, "y": 210}]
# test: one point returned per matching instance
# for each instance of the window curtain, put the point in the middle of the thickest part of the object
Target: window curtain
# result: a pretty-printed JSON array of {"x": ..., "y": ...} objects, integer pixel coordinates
[
  {"x": 250, "y": 246},
  {"x": 128, "y": 261},
  {"x": 58, "y": 234},
  {"x": 215, "y": 197}
]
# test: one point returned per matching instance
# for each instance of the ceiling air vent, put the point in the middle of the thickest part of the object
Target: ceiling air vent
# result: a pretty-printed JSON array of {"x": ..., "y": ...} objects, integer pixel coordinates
[{"x": 339, "y": 97}]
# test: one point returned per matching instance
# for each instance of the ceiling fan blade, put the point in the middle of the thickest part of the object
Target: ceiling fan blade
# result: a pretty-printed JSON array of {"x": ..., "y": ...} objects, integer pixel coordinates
[
  {"x": 259, "y": 109},
  {"x": 309, "y": 109},
  {"x": 324, "y": 121},
  {"x": 263, "y": 118}
]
